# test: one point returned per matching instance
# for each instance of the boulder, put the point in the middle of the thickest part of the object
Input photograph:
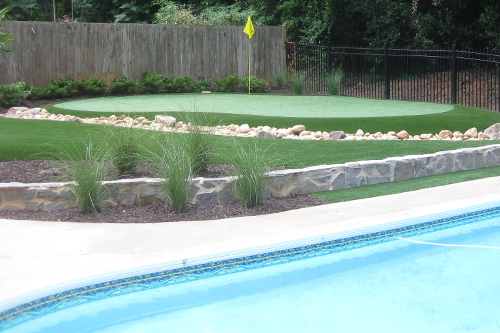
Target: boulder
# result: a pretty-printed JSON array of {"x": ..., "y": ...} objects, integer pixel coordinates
[
  {"x": 471, "y": 133},
  {"x": 245, "y": 128},
  {"x": 359, "y": 132},
  {"x": 445, "y": 134},
  {"x": 337, "y": 135},
  {"x": 297, "y": 129},
  {"x": 403, "y": 135},
  {"x": 425, "y": 136},
  {"x": 166, "y": 120},
  {"x": 493, "y": 131},
  {"x": 264, "y": 134}
]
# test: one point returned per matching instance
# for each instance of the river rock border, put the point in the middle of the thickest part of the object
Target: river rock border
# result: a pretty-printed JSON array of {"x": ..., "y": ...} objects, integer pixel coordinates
[{"x": 282, "y": 183}]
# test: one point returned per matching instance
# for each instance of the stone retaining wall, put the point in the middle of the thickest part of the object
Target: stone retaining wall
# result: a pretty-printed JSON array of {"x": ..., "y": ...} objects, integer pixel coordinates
[{"x": 282, "y": 183}]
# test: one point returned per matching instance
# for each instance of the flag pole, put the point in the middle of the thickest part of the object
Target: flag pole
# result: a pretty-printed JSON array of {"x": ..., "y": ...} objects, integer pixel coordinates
[
  {"x": 249, "y": 30},
  {"x": 249, "y": 55}
]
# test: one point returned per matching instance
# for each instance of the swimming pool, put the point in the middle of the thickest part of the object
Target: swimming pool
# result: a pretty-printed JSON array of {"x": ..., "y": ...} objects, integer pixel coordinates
[{"x": 405, "y": 277}]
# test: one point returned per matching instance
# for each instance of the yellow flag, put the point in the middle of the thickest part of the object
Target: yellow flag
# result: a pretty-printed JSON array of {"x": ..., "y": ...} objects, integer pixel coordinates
[{"x": 249, "y": 30}]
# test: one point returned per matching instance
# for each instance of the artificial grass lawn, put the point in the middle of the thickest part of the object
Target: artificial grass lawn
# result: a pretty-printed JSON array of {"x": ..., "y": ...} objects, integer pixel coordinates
[
  {"x": 461, "y": 118},
  {"x": 407, "y": 185},
  {"x": 275, "y": 105},
  {"x": 41, "y": 139}
]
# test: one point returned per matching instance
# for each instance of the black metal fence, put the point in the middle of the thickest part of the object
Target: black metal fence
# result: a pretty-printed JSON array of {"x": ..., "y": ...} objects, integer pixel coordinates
[{"x": 439, "y": 76}]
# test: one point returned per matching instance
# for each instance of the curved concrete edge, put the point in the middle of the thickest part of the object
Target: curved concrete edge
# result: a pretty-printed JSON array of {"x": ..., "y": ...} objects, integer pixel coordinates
[
  {"x": 281, "y": 183},
  {"x": 41, "y": 254}
]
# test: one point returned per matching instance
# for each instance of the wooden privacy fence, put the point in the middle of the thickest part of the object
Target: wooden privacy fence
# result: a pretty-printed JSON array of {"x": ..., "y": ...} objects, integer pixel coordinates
[{"x": 46, "y": 51}]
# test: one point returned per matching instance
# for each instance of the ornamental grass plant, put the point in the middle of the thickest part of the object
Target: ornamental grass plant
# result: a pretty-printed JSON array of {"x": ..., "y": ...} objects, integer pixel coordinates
[
  {"x": 334, "y": 79},
  {"x": 124, "y": 149},
  {"x": 87, "y": 168},
  {"x": 297, "y": 81},
  {"x": 201, "y": 142},
  {"x": 250, "y": 162},
  {"x": 171, "y": 163},
  {"x": 280, "y": 79}
]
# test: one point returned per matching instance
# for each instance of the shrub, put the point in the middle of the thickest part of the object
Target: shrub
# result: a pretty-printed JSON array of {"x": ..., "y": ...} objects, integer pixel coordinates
[
  {"x": 226, "y": 15},
  {"x": 279, "y": 79},
  {"x": 13, "y": 94},
  {"x": 172, "y": 13},
  {"x": 250, "y": 163},
  {"x": 60, "y": 88},
  {"x": 297, "y": 81},
  {"x": 334, "y": 79},
  {"x": 35, "y": 92},
  {"x": 256, "y": 85},
  {"x": 202, "y": 85},
  {"x": 123, "y": 85},
  {"x": 181, "y": 84},
  {"x": 93, "y": 86},
  {"x": 227, "y": 84},
  {"x": 88, "y": 171},
  {"x": 152, "y": 83},
  {"x": 173, "y": 165}
]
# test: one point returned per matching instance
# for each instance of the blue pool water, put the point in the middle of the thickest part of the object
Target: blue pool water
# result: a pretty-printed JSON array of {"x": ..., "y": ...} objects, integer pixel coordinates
[{"x": 438, "y": 278}]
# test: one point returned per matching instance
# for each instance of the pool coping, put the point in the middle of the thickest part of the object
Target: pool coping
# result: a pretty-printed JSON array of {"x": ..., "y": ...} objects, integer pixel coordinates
[{"x": 350, "y": 236}]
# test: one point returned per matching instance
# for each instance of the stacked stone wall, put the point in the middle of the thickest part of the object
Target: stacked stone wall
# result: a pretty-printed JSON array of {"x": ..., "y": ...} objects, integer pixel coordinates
[{"x": 282, "y": 183}]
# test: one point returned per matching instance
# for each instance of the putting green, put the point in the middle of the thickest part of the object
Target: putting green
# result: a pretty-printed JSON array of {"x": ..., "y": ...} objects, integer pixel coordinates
[{"x": 310, "y": 106}]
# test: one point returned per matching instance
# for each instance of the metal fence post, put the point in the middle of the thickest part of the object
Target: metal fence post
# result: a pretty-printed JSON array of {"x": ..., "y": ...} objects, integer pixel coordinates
[
  {"x": 328, "y": 58},
  {"x": 387, "y": 94},
  {"x": 454, "y": 74}
]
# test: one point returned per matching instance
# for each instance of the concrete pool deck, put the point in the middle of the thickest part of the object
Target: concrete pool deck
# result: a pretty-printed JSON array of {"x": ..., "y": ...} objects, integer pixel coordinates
[{"x": 36, "y": 255}]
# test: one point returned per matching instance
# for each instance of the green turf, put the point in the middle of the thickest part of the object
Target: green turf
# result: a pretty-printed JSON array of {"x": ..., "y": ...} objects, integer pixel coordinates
[
  {"x": 309, "y": 106},
  {"x": 407, "y": 185},
  {"x": 461, "y": 118},
  {"x": 39, "y": 139}
]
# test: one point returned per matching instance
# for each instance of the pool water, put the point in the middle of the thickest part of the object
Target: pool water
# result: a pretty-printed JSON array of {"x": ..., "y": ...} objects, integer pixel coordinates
[{"x": 416, "y": 281}]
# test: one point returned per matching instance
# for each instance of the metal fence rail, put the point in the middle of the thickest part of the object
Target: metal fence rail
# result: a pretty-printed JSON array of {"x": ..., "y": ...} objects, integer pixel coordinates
[{"x": 439, "y": 76}]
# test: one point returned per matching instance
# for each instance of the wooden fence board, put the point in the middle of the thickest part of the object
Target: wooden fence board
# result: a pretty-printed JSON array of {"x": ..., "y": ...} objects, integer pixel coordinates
[{"x": 46, "y": 51}]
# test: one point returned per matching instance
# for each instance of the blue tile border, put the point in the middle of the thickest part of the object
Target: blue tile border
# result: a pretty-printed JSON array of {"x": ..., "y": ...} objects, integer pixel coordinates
[{"x": 184, "y": 273}]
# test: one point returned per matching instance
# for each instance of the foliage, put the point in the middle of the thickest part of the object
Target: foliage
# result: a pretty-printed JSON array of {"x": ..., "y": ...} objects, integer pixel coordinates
[
  {"x": 123, "y": 85},
  {"x": 334, "y": 79},
  {"x": 250, "y": 162},
  {"x": 202, "y": 85},
  {"x": 63, "y": 87},
  {"x": 93, "y": 86},
  {"x": 152, "y": 82},
  {"x": 256, "y": 85},
  {"x": 201, "y": 141},
  {"x": 280, "y": 79},
  {"x": 297, "y": 81},
  {"x": 124, "y": 149},
  {"x": 13, "y": 94},
  {"x": 226, "y": 15},
  {"x": 407, "y": 23},
  {"x": 5, "y": 38},
  {"x": 172, "y": 13},
  {"x": 180, "y": 84},
  {"x": 88, "y": 170},
  {"x": 172, "y": 164},
  {"x": 227, "y": 84}
]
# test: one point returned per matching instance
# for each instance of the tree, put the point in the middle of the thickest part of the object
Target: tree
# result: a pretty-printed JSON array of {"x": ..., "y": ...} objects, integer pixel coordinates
[{"x": 5, "y": 38}]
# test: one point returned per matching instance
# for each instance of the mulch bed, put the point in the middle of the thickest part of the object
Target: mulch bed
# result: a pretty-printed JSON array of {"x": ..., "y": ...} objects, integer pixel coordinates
[{"x": 42, "y": 171}]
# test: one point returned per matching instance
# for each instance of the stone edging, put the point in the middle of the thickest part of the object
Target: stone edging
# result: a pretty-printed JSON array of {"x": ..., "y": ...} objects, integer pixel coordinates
[{"x": 282, "y": 183}]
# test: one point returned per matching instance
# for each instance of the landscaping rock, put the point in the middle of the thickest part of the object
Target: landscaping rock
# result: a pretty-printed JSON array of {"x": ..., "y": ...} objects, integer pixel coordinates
[
  {"x": 337, "y": 135},
  {"x": 264, "y": 134},
  {"x": 403, "y": 135},
  {"x": 166, "y": 120},
  {"x": 493, "y": 131},
  {"x": 445, "y": 134},
  {"x": 471, "y": 133},
  {"x": 297, "y": 129}
]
